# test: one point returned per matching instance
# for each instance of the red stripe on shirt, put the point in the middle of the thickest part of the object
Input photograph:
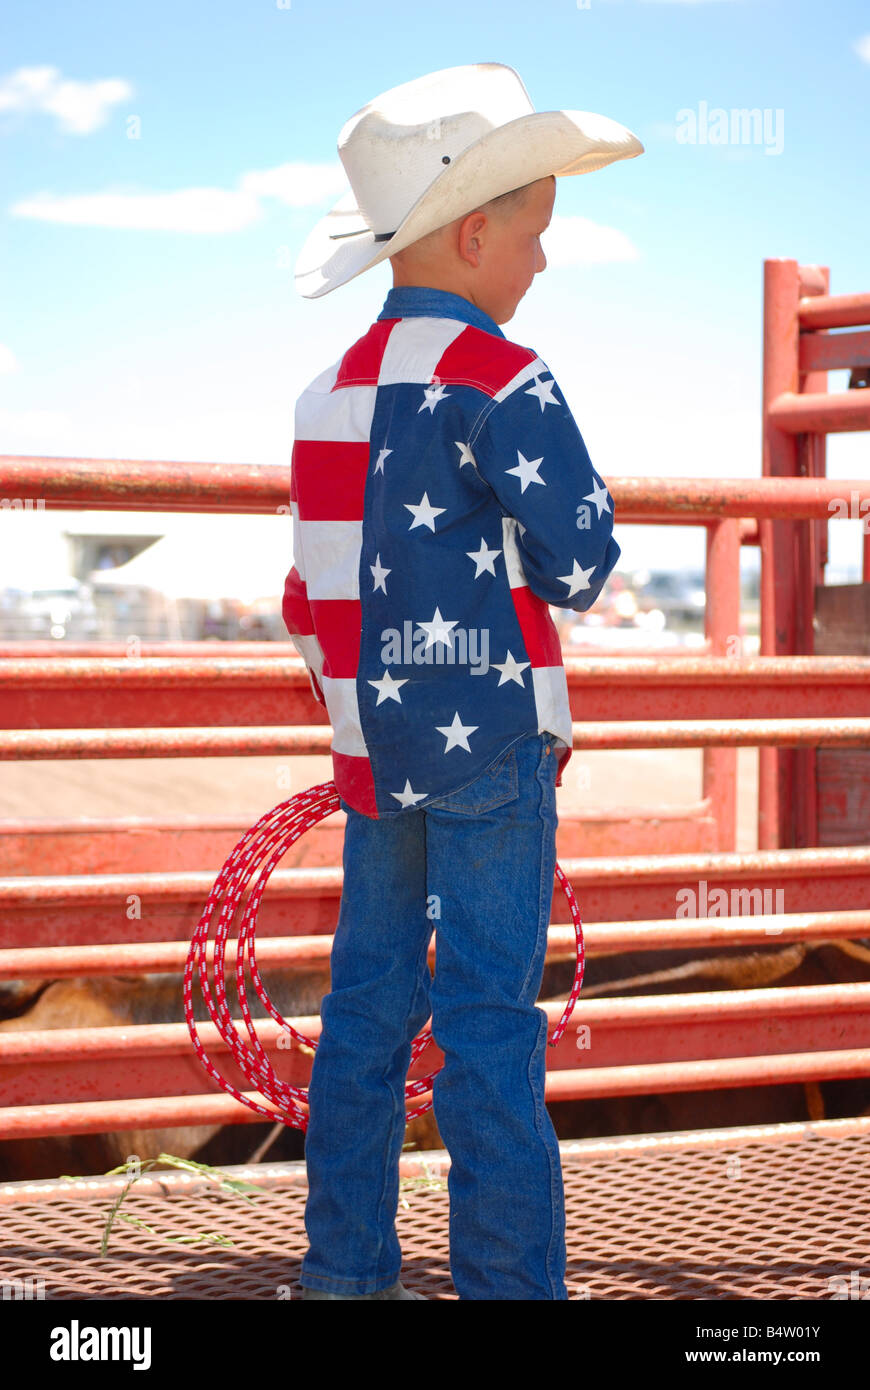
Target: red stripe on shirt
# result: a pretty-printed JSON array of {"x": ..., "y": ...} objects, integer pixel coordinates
[
  {"x": 537, "y": 626},
  {"x": 338, "y": 622},
  {"x": 483, "y": 360},
  {"x": 354, "y": 782},
  {"x": 361, "y": 363},
  {"x": 329, "y": 479},
  {"x": 295, "y": 608}
]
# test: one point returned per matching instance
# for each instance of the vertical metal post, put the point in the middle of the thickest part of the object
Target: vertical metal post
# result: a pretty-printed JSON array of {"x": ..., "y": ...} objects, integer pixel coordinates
[
  {"x": 812, "y": 555},
  {"x": 778, "y": 538},
  {"x": 722, "y": 630}
]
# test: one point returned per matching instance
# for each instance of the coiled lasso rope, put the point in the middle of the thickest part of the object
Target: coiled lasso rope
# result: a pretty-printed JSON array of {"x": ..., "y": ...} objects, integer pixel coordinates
[{"x": 260, "y": 849}]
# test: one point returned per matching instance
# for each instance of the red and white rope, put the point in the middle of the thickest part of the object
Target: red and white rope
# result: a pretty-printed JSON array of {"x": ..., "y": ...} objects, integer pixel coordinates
[{"x": 259, "y": 851}]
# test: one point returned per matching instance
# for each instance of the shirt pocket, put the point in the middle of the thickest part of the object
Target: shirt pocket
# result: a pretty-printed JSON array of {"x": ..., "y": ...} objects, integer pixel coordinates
[{"x": 495, "y": 787}]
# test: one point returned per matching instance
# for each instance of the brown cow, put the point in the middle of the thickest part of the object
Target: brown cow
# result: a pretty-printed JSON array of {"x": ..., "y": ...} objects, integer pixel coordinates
[
  {"x": 112, "y": 1000},
  {"x": 104, "y": 1001},
  {"x": 681, "y": 971}
]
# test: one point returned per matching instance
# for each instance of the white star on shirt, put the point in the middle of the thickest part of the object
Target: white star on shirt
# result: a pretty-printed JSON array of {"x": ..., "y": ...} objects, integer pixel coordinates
[
  {"x": 483, "y": 558},
  {"x": 424, "y": 513},
  {"x": 544, "y": 392},
  {"x": 388, "y": 688},
  {"x": 578, "y": 579},
  {"x": 379, "y": 573},
  {"x": 511, "y": 670},
  {"x": 527, "y": 471},
  {"x": 434, "y": 395},
  {"x": 408, "y": 797},
  {"x": 439, "y": 629},
  {"x": 467, "y": 455},
  {"x": 456, "y": 733},
  {"x": 599, "y": 497},
  {"x": 379, "y": 466}
]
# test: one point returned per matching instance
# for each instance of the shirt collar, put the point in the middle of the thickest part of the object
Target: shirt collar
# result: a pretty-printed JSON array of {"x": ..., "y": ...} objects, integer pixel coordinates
[{"x": 418, "y": 301}]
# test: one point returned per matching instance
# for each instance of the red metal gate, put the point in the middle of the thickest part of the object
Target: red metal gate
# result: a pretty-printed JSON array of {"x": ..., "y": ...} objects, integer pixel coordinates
[{"x": 59, "y": 910}]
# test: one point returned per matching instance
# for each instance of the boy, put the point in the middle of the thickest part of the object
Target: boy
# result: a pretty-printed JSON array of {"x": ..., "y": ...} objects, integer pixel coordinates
[{"x": 442, "y": 499}]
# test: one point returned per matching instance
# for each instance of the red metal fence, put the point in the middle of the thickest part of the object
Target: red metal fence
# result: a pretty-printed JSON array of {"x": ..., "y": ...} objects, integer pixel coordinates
[{"x": 173, "y": 700}]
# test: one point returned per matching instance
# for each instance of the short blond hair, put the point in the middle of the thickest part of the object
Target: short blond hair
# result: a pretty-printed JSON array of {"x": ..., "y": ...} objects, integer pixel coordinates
[
  {"x": 502, "y": 207},
  {"x": 506, "y": 203}
]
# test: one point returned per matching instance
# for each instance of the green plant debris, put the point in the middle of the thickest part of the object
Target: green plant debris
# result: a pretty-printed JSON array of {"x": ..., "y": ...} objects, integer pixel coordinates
[{"x": 235, "y": 1186}]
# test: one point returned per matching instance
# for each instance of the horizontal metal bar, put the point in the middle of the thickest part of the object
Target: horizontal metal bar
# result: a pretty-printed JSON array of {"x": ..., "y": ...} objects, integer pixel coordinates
[
  {"x": 104, "y": 1116},
  {"x": 436, "y": 1162},
  {"x": 654, "y": 1078},
  {"x": 87, "y": 909},
  {"x": 821, "y": 413},
  {"x": 45, "y": 649},
  {"x": 48, "y": 744},
  {"x": 154, "y": 957},
  {"x": 694, "y": 733},
  {"x": 125, "y": 1063},
  {"x": 55, "y": 1045},
  {"x": 698, "y": 501},
  {"x": 173, "y": 887},
  {"x": 828, "y": 352},
  {"x": 96, "y": 1117},
  {"x": 834, "y": 310},
  {"x": 304, "y": 952},
  {"x": 38, "y": 693},
  {"x": 595, "y": 1037},
  {"x": 138, "y": 844},
  {"x": 157, "y": 672},
  {"x": 150, "y": 485},
  {"x": 146, "y": 485}
]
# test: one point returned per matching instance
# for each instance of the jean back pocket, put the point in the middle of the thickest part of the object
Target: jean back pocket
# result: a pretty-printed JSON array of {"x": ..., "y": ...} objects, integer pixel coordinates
[{"x": 495, "y": 787}]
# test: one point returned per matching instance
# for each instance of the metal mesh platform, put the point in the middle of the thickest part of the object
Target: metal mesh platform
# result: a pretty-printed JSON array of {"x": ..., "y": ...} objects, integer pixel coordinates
[{"x": 773, "y": 1212}]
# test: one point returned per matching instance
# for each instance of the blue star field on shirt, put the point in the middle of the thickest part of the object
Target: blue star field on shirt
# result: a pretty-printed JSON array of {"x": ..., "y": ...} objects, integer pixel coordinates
[{"x": 442, "y": 499}]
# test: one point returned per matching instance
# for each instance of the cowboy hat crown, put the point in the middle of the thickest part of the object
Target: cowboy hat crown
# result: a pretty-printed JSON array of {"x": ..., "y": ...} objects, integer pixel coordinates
[{"x": 430, "y": 150}]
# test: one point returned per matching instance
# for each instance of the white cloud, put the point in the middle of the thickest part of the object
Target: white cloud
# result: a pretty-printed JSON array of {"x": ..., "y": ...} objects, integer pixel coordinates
[
  {"x": 862, "y": 48},
  {"x": 7, "y": 359},
  {"x": 579, "y": 241},
  {"x": 297, "y": 185},
  {"x": 80, "y": 107},
  {"x": 197, "y": 210}
]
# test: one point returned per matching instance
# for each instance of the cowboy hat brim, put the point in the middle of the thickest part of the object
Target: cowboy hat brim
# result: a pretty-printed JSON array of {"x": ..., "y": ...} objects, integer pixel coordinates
[{"x": 342, "y": 245}]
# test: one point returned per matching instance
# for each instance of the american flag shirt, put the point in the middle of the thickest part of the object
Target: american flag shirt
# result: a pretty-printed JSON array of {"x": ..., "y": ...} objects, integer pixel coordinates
[{"x": 442, "y": 499}]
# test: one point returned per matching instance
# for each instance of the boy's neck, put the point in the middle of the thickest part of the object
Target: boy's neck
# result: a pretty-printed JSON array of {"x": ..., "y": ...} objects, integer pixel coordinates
[{"x": 432, "y": 282}]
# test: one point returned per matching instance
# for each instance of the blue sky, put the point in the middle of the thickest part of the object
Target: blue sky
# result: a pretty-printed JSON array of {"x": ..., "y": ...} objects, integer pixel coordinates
[{"x": 163, "y": 164}]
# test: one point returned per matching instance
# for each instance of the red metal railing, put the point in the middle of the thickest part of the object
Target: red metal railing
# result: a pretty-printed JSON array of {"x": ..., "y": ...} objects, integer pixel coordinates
[
  {"x": 184, "y": 699},
  {"x": 798, "y": 414}
]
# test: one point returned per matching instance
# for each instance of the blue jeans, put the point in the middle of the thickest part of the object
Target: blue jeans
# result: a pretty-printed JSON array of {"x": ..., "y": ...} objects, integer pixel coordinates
[{"x": 478, "y": 866}]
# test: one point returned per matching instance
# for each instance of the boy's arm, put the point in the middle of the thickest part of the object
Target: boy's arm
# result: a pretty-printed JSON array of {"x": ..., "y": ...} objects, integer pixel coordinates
[
  {"x": 299, "y": 624},
  {"x": 531, "y": 453},
  {"x": 295, "y": 608}
]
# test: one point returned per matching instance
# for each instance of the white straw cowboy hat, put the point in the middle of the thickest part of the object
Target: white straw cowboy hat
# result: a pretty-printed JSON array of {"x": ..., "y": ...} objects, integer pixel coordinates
[{"x": 428, "y": 151}]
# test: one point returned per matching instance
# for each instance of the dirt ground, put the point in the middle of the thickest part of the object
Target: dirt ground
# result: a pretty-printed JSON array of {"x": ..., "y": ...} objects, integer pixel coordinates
[{"x": 247, "y": 787}]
